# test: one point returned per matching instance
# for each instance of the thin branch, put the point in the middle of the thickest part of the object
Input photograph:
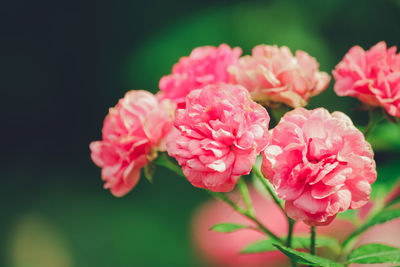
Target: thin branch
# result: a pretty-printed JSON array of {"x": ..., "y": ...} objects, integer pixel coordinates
[
  {"x": 312, "y": 240},
  {"x": 246, "y": 196},
  {"x": 245, "y": 213},
  {"x": 269, "y": 188},
  {"x": 166, "y": 162}
]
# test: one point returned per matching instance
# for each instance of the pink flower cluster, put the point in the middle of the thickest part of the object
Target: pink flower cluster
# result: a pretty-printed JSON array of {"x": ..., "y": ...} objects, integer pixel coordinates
[
  {"x": 133, "y": 131},
  {"x": 320, "y": 164},
  {"x": 219, "y": 135},
  {"x": 206, "y": 65},
  {"x": 273, "y": 74},
  {"x": 372, "y": 76}
]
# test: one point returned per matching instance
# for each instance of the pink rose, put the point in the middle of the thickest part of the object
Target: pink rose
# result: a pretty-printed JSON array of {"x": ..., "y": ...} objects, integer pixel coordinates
[
  {"x": 206, "y": 65},
  {"x": 133, "y": 131},
  {"x": 223, "y": 249},
  {"x": 218, "y": 136},
  {"x": 273, "y": 74},
  {"x": 320, "y": 164},
  {"x": 372, "y": 76}
]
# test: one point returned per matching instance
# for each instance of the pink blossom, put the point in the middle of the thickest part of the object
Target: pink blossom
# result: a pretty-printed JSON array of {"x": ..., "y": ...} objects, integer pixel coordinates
[
  {"x": 320, "y": 164},
  {"x": 218, "y": 136},
  {"x": 274, "y": 75},
  {"x": 133, "y": 131},
  {"x": 206, "y": 65},
  {"x": 372, "y": 76},
  {"x": 223, "y": 249}
]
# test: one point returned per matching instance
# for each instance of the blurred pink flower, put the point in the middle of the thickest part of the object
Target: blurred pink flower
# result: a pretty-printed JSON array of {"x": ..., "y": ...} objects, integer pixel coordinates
[
  {"x": 387, "y": 234},
  {"x": 223, "y": 249},
  {"x": 206, "y": 65},
  {"x": 320, "y": 164},
  {"x": 133, "y": 131},
  {"x": 372, "y": 76},
  {"x": 218, "y": 136},
  {"x": 273, "y": 74}
]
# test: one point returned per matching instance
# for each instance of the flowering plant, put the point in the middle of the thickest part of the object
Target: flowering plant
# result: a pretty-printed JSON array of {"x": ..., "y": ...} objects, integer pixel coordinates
[{"x": 210, "y": 124}]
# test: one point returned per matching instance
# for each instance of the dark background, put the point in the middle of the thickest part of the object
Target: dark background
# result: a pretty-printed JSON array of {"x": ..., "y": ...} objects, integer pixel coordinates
[{"x": 65, "y": 62}]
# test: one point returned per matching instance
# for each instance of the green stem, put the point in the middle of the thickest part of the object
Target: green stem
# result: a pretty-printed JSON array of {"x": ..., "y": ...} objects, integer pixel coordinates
[
  {"x": 165, "y": 161},
  {"x": 246, "y": 196},
  {"x": 245, "y": 213},
  {"x": 289, "y": 238},
  {"x": 290, "y": 233},
  {"x": 312, "y": 241},
  {"x": 374, "y": 119},
  {"x": 279, "y": 202},
  {"x": 269, "y": 187},
  {"x": 369, "y": 126}
]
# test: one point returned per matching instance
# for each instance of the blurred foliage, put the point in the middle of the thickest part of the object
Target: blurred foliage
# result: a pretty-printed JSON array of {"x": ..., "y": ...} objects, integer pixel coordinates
[
  {"x": 81, "y": 57},
  {"x": 386, "y": 137},
  {"x": 90, "y": 227}
]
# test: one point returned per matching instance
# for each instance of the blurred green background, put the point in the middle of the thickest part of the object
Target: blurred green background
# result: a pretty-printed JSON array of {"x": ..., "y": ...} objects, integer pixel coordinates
[{"x": 65, "y": 62}]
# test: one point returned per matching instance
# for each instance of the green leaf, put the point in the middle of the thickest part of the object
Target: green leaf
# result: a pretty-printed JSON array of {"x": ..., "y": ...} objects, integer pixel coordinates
[
  {"x": 227, "y": 227},
  {"x": 381, "y": 217},
  {"x": 375, "y": 253},
  {"x": 260, "y": 246},
  {"x": 297, "y": 242},
  {"x": 148, "y": 171},
  {"x": 305, "y": 258}
]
